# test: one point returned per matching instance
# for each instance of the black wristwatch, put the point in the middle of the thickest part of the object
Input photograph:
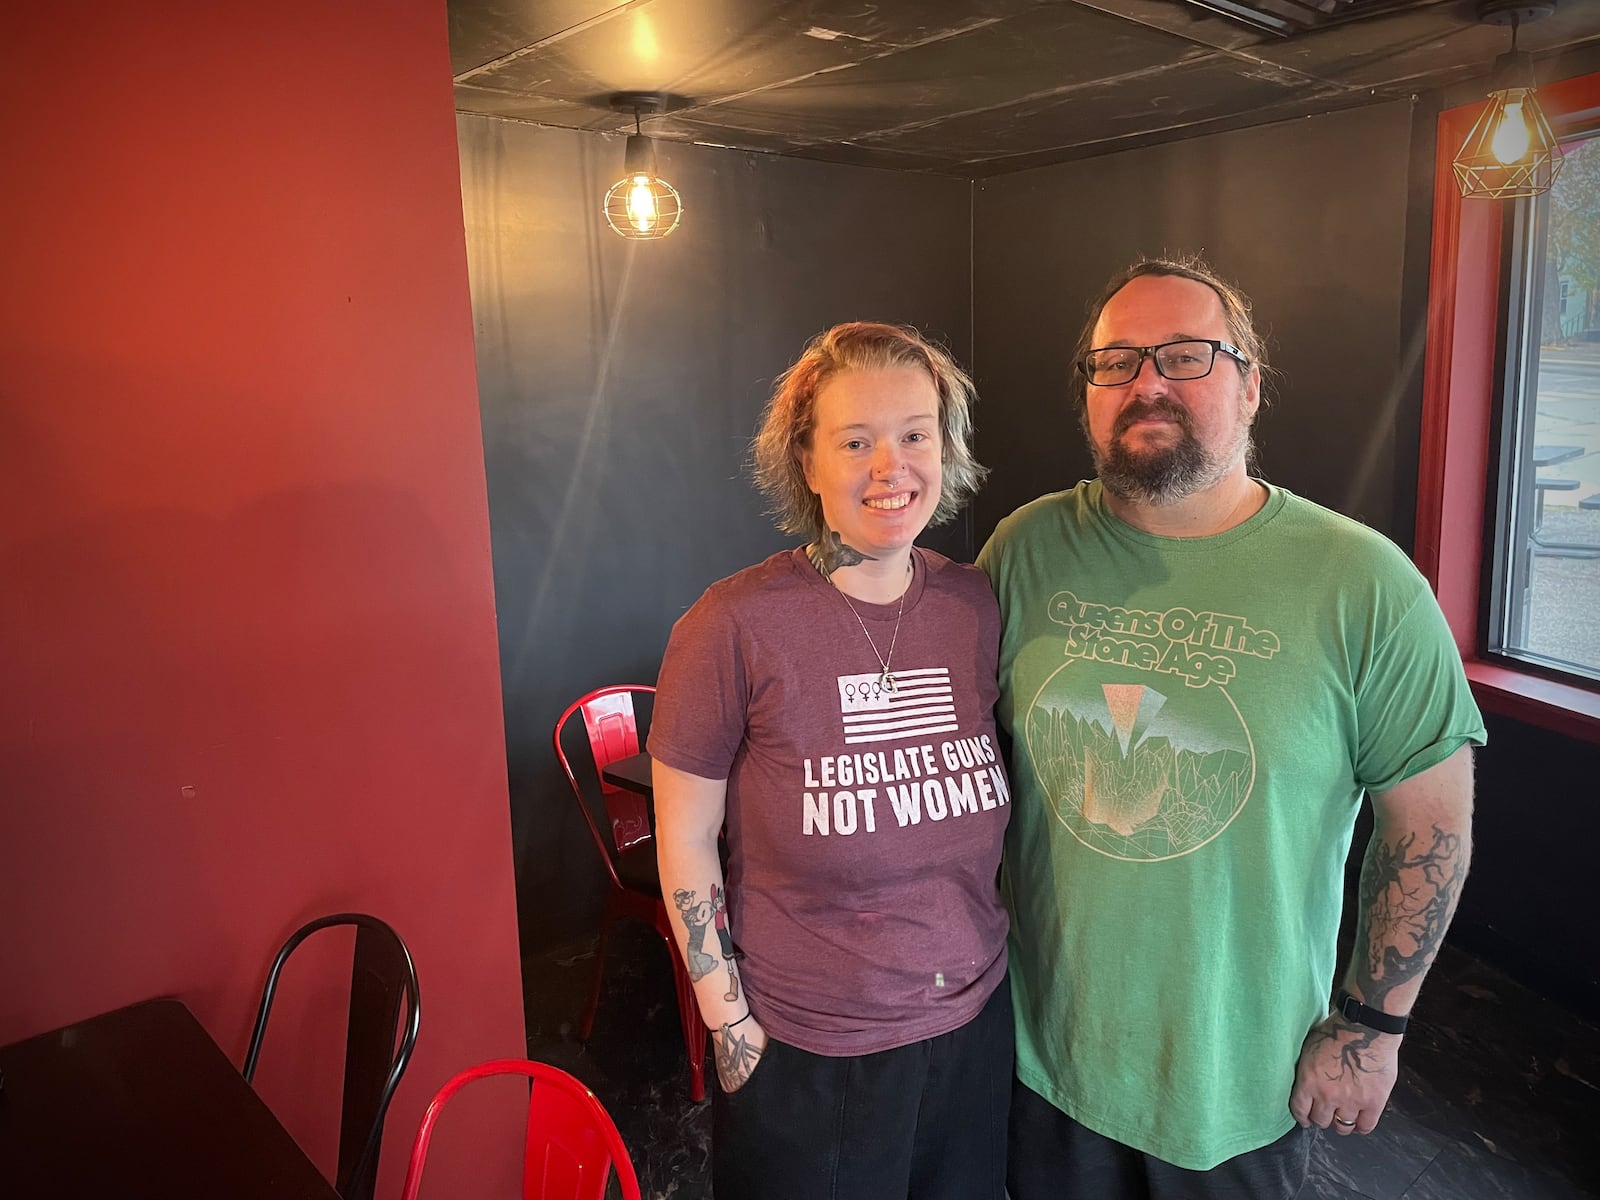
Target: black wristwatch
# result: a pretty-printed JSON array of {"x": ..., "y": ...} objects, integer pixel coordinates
[{"x": 1351, "y": 1009}]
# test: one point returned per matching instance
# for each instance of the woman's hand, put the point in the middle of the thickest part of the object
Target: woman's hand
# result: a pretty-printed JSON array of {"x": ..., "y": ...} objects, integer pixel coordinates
[{"x": 739, "y": 1048}]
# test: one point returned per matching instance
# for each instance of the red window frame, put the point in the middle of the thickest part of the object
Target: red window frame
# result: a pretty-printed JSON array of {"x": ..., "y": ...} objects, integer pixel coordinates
[{"x": 1457, "y": 417}]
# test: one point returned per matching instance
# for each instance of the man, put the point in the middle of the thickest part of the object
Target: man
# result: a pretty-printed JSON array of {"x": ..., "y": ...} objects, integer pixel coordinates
[{"x": 1201, "y": 674}]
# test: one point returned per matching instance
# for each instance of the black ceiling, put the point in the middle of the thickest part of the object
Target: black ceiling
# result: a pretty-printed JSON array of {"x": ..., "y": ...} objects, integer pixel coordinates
[{"x": 967, "y": 87}]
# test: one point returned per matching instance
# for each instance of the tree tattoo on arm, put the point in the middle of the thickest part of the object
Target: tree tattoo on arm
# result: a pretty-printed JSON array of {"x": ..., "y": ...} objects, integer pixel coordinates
[
  {"x": 1408, "y": 893},
  {"x": 829, "y": 552}
]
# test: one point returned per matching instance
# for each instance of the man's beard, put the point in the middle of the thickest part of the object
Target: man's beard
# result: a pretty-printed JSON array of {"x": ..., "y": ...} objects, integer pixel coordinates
[{"x": 1167, "y": 475}]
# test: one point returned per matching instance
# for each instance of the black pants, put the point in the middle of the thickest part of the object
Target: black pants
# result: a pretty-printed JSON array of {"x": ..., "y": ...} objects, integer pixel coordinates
[
  {"x": 1052, "y": 1157},
  {"x": 921, "y": 1122}
]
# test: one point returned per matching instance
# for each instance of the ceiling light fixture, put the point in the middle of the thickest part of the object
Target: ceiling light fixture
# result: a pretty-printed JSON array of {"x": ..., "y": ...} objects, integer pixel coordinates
[
  {"x": 1511, "y": 150},
  {"x": 641, "y": 206}
]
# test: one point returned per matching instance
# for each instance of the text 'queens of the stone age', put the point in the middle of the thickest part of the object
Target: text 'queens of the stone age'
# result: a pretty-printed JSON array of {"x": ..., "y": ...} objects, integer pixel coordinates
[{"x": 1175, "y": 642}]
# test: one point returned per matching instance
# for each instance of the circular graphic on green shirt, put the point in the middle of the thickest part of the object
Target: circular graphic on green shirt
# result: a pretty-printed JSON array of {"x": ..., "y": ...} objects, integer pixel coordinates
[{"x": 1136, "y": 772}]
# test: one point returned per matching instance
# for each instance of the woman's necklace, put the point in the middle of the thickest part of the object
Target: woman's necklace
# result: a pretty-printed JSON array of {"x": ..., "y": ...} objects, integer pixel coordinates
[{"x": 886, "y": 679}]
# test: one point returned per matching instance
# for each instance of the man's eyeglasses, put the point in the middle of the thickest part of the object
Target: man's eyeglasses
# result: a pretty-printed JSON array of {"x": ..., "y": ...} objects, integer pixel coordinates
[{"x": 1192, "y": 358}]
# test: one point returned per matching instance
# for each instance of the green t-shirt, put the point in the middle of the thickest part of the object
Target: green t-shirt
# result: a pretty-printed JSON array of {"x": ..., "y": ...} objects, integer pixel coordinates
[{"x": 1193, "y": 722}]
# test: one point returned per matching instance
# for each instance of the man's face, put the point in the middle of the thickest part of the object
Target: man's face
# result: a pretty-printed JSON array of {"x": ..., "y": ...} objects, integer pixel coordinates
[{"x": 1159, "y": 440}]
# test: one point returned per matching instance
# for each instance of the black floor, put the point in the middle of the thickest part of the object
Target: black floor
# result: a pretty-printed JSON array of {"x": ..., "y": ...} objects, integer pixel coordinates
[{"x": 1499, "y": 1093}]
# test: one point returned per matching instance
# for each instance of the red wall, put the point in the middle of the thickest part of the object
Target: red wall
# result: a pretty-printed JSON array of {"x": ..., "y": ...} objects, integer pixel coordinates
[{"x": 248, "y": 668}]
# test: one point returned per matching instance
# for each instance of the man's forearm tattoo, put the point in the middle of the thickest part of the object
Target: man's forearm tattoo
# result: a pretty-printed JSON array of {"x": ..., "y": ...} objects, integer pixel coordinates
[
  {"x": 828, "y": 553},
  {"x": 1407, "y": 896},
  {"x": 736, "y": 1058}
]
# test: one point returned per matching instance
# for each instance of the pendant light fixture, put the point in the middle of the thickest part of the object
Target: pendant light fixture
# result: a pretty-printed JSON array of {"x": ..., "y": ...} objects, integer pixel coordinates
[
  {"x": 1511, "y": 150},
  {"x": 641, "y": 206}
]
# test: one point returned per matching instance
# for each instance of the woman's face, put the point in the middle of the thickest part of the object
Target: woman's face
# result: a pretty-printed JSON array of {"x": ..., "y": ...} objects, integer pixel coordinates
[{"x": 875, "y": 460}]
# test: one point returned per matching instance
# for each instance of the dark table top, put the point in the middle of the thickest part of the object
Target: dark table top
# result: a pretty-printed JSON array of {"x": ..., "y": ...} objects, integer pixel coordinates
[
  {"x": 1549, "y": 456},
  {"x": 631, "y": 773},
  {"x": 140, "y": 1103}
]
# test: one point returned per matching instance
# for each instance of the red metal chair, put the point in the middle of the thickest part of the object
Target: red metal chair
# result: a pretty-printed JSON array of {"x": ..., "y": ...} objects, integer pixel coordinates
[
  {"x": 571, "y": 1147},
  {"x": 629, "y": 854}
]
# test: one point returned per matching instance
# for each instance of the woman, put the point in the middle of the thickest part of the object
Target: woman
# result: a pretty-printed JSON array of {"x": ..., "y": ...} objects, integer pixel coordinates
[{"x": 833, "y": 706}]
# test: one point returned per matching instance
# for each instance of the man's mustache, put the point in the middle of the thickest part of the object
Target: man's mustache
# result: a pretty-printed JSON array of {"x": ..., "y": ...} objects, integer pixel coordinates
[{"x": 1139, "y": 410}]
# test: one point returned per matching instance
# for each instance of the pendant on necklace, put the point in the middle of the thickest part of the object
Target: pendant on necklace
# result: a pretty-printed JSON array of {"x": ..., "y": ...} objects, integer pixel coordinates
[{"x": 886, "y": 681}]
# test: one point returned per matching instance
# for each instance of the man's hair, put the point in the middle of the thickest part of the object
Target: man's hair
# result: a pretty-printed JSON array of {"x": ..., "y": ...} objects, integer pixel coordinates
[
  {"x": 1235, "y": 310},
  {"x": 790, "y": 418}
]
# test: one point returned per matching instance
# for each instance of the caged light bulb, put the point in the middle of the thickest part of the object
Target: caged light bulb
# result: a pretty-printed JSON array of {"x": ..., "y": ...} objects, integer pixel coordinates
[
  {"x": 1510, "y": 141},
  {"x": 642, "y": 211},
  {"x": 641, "y": 206}
]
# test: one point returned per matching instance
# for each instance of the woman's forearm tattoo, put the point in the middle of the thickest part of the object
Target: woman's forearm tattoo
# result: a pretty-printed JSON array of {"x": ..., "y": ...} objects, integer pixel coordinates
[{"x": 696, "y": 915}]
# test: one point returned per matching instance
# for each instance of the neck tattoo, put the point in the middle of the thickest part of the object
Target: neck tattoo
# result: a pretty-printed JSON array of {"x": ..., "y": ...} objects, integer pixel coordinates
[
  {"x": 886, "y": 678},
  {"x": 829, "y": 552}
]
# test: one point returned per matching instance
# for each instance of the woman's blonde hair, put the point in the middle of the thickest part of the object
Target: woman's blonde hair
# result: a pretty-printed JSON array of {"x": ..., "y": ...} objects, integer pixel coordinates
[{"x": 790, "y": 418}]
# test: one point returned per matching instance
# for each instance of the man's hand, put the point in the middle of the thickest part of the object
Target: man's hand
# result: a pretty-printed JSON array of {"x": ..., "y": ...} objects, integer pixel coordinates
[
  {"x": 739, "y": 1048},
  {"x": 1344, "y": 1077}
]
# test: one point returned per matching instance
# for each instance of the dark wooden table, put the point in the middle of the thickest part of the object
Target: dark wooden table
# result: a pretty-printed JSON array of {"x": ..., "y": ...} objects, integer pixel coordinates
[
  {"x": 141, "y": 1103},
  {"x": 631, "y": 773}
]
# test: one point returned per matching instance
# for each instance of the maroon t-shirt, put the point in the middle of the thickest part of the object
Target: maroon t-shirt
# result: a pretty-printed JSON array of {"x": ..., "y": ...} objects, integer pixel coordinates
[{"x": 864, "y": 826}]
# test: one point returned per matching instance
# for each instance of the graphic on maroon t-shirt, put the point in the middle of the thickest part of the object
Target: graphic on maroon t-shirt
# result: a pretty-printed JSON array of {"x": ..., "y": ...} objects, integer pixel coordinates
[
  {"x": 915, "y": 704},
  {"x": 920, "y": 702}
]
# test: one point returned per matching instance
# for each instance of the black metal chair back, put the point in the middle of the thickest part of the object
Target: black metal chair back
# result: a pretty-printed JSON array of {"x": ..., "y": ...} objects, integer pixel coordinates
[{"x": 381, "y": 976}]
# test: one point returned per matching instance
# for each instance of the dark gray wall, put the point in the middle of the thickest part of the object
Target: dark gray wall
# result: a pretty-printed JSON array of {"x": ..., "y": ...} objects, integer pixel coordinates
[
  {"x": 1529, "y": 904},
  {"x": 1309, "y": 217},
  {"x": 620, "y": 383},
  {"x": 1325, "y": 222}
]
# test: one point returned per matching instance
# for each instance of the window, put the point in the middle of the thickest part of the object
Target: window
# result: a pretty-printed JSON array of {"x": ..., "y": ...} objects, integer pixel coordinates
[
  {"x": 1545, "y": 582},
  {"x": 1500, "y": 597}
]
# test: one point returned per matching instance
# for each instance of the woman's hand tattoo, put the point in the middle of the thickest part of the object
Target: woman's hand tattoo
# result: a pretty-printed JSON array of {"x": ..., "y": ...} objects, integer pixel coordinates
[{"x": 736, "y": 1058}]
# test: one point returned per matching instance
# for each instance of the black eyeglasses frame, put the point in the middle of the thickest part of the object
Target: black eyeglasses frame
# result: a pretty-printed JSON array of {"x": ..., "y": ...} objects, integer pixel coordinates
[{"x": 1149, "y": 352}]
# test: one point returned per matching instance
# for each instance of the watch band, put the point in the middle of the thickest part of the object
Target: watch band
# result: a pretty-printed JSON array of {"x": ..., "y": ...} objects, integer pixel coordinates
[{"x": 1351, "y": 1009}]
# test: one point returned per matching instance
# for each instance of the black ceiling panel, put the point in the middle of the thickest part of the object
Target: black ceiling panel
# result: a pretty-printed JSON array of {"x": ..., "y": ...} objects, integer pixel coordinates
[
  {"x": 1173, "y": 99},
  {"x": 486, "y": 30},
  {"x": 537, "y": 110},
  {"x": 1038, "y": 55},
  {"x": 966, "y": 87}
]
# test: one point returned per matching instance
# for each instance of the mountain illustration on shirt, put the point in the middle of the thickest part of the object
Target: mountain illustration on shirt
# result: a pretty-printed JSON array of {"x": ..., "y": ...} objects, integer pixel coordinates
[{"x": 1136, "y": 773}]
